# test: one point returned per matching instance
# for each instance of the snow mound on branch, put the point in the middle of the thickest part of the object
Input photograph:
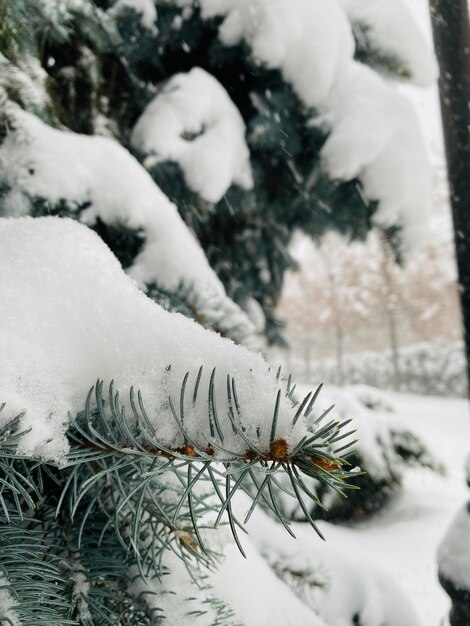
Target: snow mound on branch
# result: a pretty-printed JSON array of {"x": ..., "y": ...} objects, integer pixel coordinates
[
  {"x": 70, "y": 315},
  {"x": 275, "y": 602},
  {"x": 373, "y": 398},
  {"x": 182, "y": 602},
  {"x": 146, "y": 9},
  {"x": 193, "y": 121},
  {"x": 454, "y": 552},
  {"x": 310, "y": 41},
  {"x": 374, "y": 131},
  {"x": 39, "y": 161},
  {"x": 390, "y": 27},
  {"x": 375, "y": 136}
]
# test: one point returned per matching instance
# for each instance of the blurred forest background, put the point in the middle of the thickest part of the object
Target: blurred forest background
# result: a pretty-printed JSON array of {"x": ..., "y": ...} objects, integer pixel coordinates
[{"x": 355, "y": 315}]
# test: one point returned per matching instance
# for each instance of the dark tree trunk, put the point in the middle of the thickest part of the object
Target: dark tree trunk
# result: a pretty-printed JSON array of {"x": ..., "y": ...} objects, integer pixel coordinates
[
  {"x": 451, "y": 32},
  {"x": 460, "y": 595}
]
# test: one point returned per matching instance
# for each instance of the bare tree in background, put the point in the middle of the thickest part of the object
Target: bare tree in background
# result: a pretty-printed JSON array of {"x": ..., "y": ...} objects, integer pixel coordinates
[
  {"x": 390, "y": 307},
  {"x": 337, "y": 312},
  {"x": 376, "y": 305}
]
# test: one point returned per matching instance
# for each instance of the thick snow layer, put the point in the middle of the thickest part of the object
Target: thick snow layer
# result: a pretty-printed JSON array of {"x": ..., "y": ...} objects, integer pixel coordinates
[
  {"x": 347, "y": 584},
  {"x": 404, "y": 538},
  {"x": 193, "y": 121},
  {"x": 374, "y": 131},
  {"x": 360, "y": 564},
  {"x": 310, "y": 41},
  {"x": 257, "y": 596},
  {"x": 37, "y": 160},
  {"x": 454, "y": 551},
  {"x": 145, "y": 8},
  {"x": 390, "y": 27},
  {"x": 70, "y": 315},
  {"x": 375, "y": 136}
]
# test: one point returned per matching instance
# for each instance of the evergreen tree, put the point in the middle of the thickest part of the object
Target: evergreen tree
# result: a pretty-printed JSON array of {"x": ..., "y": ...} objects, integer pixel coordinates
[{"x": 194, "y": 139}]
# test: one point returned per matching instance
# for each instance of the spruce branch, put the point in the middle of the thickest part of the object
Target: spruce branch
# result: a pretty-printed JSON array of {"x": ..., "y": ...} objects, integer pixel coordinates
[
  {"x": 19, "y": 480},
  {"x": 125, "y": 499},
  {"x": 130, "y": 465},
  {"x": 383, "y": 62},
  {"x": 32, "y": 577},
  {"x": 99, "y": 574}
]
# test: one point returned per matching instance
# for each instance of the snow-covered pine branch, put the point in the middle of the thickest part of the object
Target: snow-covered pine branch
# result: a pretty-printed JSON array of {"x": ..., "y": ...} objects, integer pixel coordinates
[
  {"x": 95, "y": 180},
  {"x": 373, "y": 130},
  {"x": 186, "y": 394},
  {"x": 192, "y": 121},
  {"x": 126, "y": 483}
]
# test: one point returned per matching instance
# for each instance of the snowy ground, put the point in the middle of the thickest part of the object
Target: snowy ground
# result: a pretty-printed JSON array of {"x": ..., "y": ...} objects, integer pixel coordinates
[
  {"x": 402, "y": 540},
  {"x": 405, "y": 537}
]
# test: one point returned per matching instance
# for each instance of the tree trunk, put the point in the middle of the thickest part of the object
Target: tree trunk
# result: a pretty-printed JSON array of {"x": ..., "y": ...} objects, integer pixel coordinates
[
  {"x": 390, "y": 313},
  {"x": 452, "y": 42}
]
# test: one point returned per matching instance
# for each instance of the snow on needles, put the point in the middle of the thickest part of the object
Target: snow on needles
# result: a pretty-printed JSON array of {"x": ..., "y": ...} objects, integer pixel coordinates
[
  {"x": 374, "y": 131},
  {"x": 389, "y": 27},
  {"x": 193, "y": 121},
  {"x": 70, "y": 315}
]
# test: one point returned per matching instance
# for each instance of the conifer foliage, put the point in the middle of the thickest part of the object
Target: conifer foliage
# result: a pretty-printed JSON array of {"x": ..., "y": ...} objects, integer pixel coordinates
[{"x": 193, "y": 138}]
